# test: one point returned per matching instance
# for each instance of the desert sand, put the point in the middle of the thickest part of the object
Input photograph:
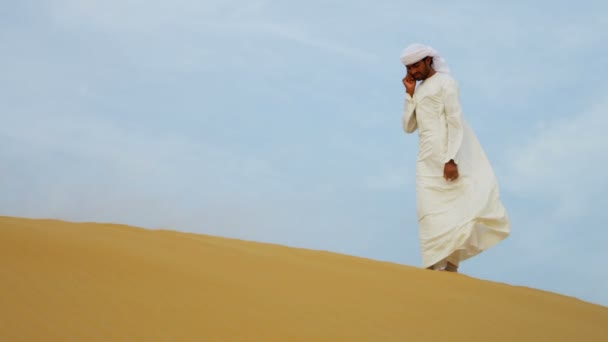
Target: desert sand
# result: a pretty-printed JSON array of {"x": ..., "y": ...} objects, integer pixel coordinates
[{"x": 62, "y": 281}]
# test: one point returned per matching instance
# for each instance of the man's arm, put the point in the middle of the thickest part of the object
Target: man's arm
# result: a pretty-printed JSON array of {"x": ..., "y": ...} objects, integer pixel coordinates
[
  {"x": 409, "y": 111},
  {"x": 453, "y": 115}
]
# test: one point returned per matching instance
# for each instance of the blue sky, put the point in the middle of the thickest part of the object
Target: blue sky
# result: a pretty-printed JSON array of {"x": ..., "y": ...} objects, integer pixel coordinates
[{"x": 281, "y": 122}]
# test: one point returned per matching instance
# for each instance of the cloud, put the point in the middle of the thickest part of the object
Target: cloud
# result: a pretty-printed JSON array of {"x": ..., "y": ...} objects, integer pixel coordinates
[
  {"x": 562, "y": 162},
  {"x": 93, "y": 166},
  {"x": 145, "y": 23},
  {"x": 135, "y": 16},
  {"x": 302, "y": 37},
  {"x": 555, "y": 187},
  {"x": 392, "y": 178}
]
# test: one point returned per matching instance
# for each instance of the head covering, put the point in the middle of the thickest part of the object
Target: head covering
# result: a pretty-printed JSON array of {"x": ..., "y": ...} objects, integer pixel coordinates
[{"x": 416, "y": 52}]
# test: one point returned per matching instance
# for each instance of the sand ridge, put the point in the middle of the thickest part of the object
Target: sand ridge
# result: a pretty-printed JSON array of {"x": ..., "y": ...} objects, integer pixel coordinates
[{"x": 63, "y": 281}]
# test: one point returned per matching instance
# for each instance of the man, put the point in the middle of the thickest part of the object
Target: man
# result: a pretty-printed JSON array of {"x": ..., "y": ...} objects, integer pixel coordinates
[{"x": 457, "y": 196}]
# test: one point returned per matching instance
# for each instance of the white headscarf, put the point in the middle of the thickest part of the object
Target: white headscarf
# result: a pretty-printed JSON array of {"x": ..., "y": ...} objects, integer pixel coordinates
[{"x": 416, "y": 52}]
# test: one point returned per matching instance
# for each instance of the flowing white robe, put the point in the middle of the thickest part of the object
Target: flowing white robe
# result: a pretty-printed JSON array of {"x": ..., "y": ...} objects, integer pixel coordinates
[{"x": 461, "y": 218}]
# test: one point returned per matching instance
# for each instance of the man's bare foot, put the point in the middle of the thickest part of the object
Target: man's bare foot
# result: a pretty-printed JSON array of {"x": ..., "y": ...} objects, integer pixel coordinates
[{"x": 451, "y": 268}]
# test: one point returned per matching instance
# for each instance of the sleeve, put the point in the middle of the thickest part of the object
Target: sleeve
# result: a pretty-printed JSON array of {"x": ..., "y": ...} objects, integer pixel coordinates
[
  {"x": 453, "y": 114},
  {"x": 409, "y": 114}
]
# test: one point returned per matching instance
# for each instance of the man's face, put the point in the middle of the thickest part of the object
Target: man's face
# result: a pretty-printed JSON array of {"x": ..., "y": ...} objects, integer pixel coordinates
[{"x": 421, "y": 69}]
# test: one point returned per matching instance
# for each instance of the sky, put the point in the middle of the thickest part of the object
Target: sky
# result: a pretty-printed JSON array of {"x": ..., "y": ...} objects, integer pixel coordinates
[{"x": 280, "y": 122}]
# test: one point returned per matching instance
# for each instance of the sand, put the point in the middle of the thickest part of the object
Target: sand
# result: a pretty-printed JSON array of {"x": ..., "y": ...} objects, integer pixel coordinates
[{"x": 63, "y": 281}]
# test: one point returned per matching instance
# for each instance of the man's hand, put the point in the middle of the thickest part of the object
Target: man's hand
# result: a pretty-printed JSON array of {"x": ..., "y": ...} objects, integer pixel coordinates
[
  {"x": 410, "y": 84},
  {"x": 450, "y": 171}
]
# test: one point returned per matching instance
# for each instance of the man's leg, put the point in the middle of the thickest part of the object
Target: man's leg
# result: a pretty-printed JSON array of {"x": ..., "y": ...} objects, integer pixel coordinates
[
  {"x": 451, "y": 267},
  {"x": 438, "y": 266},
  {"x": 452, "y": 262},
  {"x": 449, "y": 264}
]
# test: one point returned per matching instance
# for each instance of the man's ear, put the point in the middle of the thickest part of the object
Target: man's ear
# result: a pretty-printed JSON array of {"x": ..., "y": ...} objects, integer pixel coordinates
[{"x": 429, "y": 62}]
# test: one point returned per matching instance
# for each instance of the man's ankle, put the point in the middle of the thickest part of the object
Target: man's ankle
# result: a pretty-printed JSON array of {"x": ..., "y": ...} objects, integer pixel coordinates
[{"x": 451, "y": 267}]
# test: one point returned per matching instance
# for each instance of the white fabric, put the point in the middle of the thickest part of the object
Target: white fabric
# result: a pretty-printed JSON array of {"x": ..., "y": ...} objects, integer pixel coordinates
[
  {"x": 461, "y": 218},
  {"x": 416, "y": 52}
]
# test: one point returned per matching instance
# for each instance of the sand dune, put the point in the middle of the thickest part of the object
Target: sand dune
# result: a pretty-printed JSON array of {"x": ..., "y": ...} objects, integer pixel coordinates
[{"x": 64, "y": 281}]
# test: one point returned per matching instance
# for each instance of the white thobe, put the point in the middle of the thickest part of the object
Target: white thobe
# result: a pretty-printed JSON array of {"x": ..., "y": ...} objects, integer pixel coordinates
[{"x": 461, "y": 218}]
